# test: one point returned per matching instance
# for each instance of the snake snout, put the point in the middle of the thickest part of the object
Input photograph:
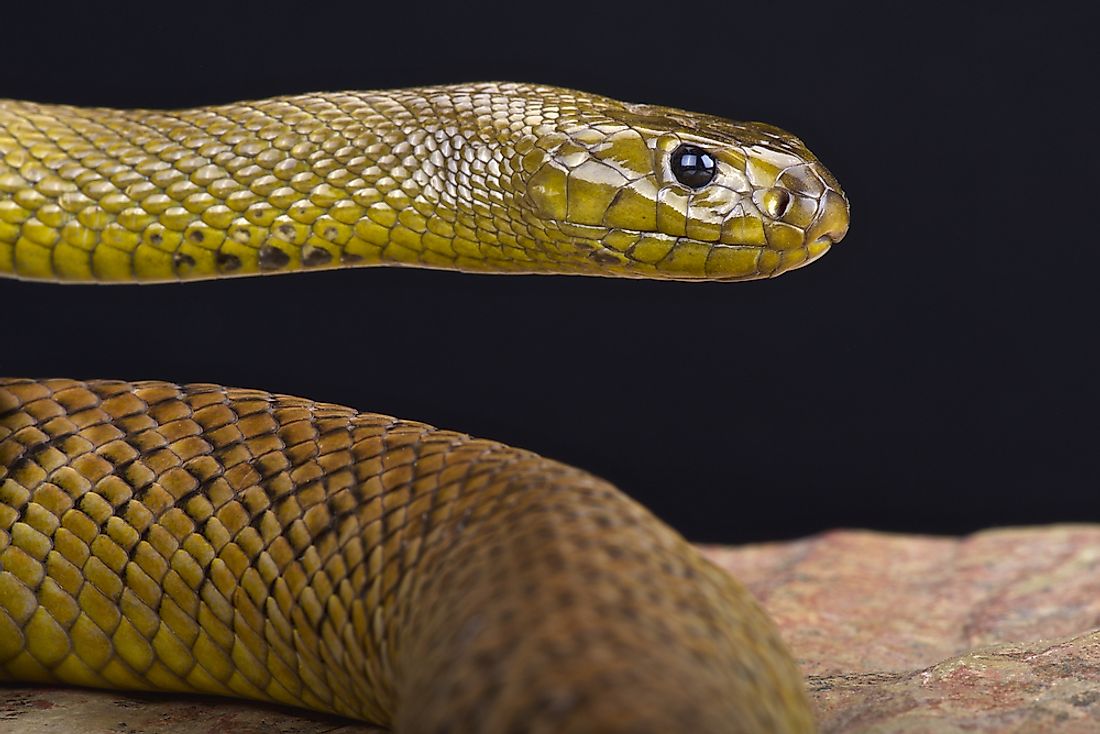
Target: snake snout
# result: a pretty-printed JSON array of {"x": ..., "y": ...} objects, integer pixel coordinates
[{"x": 831, "y": 223}]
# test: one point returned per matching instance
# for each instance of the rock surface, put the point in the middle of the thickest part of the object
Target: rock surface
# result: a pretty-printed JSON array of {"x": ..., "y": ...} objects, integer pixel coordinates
[{"x": 995, "y": 632}]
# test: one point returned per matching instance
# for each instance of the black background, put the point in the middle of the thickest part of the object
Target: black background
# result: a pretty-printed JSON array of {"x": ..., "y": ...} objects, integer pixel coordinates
[{"x": 936, "y": 372}]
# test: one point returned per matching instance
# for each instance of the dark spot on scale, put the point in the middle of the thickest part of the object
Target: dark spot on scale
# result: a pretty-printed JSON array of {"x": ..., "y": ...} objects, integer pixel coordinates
[
  {"x": 314, "y": 256},
  {"x": 330, "y": 233},
  {"x": 156, "y": 238},
  {"x": 348, "y": 257},
  {"x": 227, "y": 263},
  {"x": 272, "y": 258},
  {"x": 287, "y": 229},
  {"x": 196, "y": 235},
  {"x": 604, "y": 258},
  {"x": 183, "y": 260}
]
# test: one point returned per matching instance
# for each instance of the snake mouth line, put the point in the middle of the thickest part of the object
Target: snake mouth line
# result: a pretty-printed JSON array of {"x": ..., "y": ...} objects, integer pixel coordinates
[
  {"x": 770, "y": 251},
  {"x": 760, "y": 261}
]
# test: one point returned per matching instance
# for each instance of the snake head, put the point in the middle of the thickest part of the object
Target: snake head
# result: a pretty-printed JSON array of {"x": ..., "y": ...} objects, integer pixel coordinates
[{"x": 656, "y": 192}]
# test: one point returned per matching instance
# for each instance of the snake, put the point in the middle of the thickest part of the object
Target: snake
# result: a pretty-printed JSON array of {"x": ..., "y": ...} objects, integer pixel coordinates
[{"x": 203, "y": 539}]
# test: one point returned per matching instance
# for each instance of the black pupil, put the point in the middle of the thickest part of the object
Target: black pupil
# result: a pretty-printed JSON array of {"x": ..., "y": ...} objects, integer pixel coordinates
[{"x": 693, "y": 166}]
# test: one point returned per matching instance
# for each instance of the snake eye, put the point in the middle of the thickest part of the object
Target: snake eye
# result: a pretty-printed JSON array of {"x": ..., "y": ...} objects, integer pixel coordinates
[{"x": 693, "y": 167}]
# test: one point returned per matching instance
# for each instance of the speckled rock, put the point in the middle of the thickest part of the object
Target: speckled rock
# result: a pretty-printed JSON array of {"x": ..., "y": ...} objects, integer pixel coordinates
[{"x": 995, "y": 632}]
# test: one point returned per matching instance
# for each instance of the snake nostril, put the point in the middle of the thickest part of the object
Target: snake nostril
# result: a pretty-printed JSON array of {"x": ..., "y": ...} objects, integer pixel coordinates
[
  {"x": 776, "y": 202},
  {"x": 831, "y": 223}
]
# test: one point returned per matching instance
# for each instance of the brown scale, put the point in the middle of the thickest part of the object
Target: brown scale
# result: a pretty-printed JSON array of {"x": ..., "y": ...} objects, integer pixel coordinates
[{"x": 205, "y": 539}]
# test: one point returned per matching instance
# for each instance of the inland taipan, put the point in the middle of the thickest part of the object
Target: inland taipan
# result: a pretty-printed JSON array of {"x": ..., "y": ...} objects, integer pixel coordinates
[{"x": 196, "y": 538}]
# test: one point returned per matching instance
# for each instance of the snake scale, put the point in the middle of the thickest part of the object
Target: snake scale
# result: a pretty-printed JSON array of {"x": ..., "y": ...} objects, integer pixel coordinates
[{"x": 196, "y": 538}]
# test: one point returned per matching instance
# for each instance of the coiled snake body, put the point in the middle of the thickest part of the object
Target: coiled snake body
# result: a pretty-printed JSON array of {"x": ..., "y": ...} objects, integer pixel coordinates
[{"x": 199, "y": 538}]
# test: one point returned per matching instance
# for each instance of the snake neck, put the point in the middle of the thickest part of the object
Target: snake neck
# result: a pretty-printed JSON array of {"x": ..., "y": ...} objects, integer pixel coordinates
[{"x": 419, "y": 177}]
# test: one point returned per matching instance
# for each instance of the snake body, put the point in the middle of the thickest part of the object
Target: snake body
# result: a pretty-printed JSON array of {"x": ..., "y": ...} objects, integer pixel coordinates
[{"x": 204, "y": 539}]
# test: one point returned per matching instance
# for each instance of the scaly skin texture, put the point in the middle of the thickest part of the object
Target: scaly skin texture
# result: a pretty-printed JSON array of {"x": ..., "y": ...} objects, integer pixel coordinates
[
  {"x": 198, "y": 538},
  {"x": 485, "y": 177}
]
